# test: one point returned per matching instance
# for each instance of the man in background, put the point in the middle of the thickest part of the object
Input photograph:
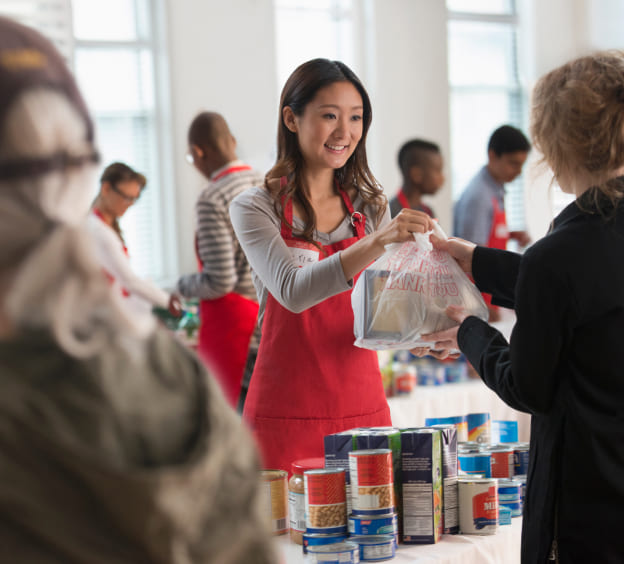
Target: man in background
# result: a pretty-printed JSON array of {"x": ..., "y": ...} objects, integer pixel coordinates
[
  {"x": 479, "y": 214},
  {"x": 421, "y": 166},
  {"x": 228, "y": 309}
]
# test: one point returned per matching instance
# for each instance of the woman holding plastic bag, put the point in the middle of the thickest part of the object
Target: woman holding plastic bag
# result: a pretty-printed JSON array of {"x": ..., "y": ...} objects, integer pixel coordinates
[
  {"x": 564, "y": 361},
  {"x": 319, "y": 219}
]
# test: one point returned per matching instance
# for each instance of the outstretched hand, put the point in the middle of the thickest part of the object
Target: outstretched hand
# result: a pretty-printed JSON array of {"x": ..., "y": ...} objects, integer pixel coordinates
[
  {"x": 445, "y": 341},
  {"x": 460, "y": 249}
]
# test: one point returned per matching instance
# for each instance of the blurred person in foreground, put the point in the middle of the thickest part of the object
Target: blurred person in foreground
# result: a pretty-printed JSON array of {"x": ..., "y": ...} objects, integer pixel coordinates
[
  {"x": 115, "y": 446},
  {"x": 120, "y": 188},
  {"x": 563, "y": 363}
]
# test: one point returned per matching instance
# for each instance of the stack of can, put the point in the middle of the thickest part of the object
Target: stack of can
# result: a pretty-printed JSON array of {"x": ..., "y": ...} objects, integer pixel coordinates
[{"x": 373, "y": 519}]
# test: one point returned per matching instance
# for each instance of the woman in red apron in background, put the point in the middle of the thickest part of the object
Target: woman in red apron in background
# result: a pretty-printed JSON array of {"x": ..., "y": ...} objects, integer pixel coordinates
[{"x": 318, "y": 221}]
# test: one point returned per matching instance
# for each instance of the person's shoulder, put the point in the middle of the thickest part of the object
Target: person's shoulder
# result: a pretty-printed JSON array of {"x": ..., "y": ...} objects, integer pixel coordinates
[{"x": 253, "y": 197}]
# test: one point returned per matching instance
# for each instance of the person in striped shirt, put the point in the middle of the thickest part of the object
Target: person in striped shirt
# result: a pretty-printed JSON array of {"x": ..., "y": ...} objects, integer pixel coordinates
[{"x": 228, "y": 335}]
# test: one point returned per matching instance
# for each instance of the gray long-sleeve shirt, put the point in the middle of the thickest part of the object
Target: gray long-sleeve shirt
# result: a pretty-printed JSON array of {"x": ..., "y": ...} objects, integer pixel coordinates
[{"x": 274, "y": 269}]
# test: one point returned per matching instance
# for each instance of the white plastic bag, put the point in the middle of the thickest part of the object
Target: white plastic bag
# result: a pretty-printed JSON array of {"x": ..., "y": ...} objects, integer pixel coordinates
[{"x": 405, "y": 292}]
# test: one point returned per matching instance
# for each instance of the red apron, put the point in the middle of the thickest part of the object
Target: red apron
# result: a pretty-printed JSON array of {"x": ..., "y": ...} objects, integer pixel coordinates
[
  {"x": 499, "y": 235},
  {"x": 406, "y": 205},
  {"x": 226, "y": 326},
  {"x": 309, "y": 379}
]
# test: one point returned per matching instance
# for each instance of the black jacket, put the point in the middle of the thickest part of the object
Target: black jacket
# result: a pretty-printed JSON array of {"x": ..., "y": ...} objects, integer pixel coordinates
[{"x": 564, "y": 364}]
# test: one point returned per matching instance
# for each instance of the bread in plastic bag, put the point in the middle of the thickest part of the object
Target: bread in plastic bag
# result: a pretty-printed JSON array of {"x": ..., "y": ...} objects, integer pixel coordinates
[{"x": 405, "y": 292}]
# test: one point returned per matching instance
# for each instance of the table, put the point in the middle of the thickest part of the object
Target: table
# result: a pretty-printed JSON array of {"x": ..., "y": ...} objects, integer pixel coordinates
[
  {"x": 501, "y": 548},
  {"x": 448, "y": 400}
]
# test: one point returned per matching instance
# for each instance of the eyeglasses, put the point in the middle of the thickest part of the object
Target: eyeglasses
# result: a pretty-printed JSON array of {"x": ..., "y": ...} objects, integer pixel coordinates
[{"x": 129, "y": 199}]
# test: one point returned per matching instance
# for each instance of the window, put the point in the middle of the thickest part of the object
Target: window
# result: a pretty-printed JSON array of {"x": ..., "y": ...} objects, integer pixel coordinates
[
  {"x": 485, "y": 89},
  {"x": 111, "y": 47},
  {"x": 308, "y": 29},
  {"x": 118, "y": 72}
]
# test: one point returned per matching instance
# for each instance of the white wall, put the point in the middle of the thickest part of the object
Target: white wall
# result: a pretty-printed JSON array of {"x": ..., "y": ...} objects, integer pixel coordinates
[{"x": 222, "y": 58}]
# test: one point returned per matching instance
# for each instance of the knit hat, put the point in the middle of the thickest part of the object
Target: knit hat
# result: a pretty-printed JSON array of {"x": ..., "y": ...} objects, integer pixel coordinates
[{"x": 29, "y": 60}]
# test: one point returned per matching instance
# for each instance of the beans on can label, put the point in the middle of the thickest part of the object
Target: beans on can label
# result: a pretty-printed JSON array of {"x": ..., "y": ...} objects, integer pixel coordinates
[
  {"x": 478, "y": 506},
  {"x": 276, "y": 499},
  {"x": 345, "y": 552},
  {"x": 374, "y": 525},
  {"x": 375, "y": 548},
  {"x": 372, "y": 484},
  {"x": 325, "y": 500},
  {"x": 475, "y": 463},
  {"x": 317, "y": 539}
]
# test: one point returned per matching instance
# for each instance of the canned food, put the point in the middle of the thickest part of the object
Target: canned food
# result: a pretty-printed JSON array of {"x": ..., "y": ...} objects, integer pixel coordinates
[
  {"x": 374, "y": 525},
  {"x": 479, "y": 427},
  {"x": 468, "y": 446},
  {"x": 510, "y": 495},
  {"x": 475, "y": 463},
  {"x": 501, "y": 461},
  {"x": 318, "y": 539},
  {"x": 375, "y": 548},
  {"x": 345, "y": 552},
  {"x": 325, "y": 500},
  {"x": 276, "y": 499},
  {"x": 521, "y": 459},
  {"x": 372, "y": 484},
  {"x": 478, "y": 506}
]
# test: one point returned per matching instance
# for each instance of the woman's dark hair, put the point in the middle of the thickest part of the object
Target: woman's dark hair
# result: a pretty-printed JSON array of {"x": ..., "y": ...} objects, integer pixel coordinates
[
  {"x": 118, "y": 172},
  {"x": 300, "y": 88}
]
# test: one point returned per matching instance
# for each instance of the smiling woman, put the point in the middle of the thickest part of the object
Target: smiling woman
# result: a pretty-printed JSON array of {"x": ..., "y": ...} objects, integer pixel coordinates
[{"x": 319, "y": 219}]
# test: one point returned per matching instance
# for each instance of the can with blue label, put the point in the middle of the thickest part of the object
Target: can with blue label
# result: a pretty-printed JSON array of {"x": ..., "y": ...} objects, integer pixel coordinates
[
  {"x": 468, "y": 446},
  {"x": 521, "y": 458},
  {"x": 510, "y": 495},
  {"x": 318, "y": 539},
  {"x": 374, "y": 525},
  {"x": 375, "y": 548},
  {"x": 345, "y": 552},
  {"x": 475, "y": 463}
]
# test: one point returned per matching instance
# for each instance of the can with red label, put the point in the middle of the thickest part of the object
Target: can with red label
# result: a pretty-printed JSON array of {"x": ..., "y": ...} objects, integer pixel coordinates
[
  {"x": 478, "y": 506},
  {"x": 501, "y": 461},
  {"x": 372, "y": 483},
  {"x": 325, "y": 500}
]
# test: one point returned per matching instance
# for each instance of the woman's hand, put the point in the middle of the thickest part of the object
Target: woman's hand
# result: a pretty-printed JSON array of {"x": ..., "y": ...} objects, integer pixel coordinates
[
  {"x": 460, "y": 249},
  {"x": 445, "y": 341},
  {"x": 403, "y": 226}
]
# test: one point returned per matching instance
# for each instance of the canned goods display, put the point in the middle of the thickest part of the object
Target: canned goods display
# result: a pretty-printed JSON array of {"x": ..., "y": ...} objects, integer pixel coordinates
[
  {"x": 468, "y": 446},
  {"x": 372, "y": 484},
  {"x": 345, "y": 552},
  {"x": 318, "y": 539},
  {"x": 325, "y": 500},
  {"x": 478, "y": 506},
  {"x": 501, "y": 461},
  {"x": 479, "y": 427},
  {"x": 521, "y": 458},
  {"x": 375, "y": 548},
  {"x": 475, "y": 463},
  {"x": 510, "y": 495},
  {"x": 374, "y": 525},
  {"x": 275, "y": 490}
]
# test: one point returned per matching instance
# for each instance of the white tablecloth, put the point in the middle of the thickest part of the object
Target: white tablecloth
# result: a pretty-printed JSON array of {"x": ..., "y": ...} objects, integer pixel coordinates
[
  {"x": 454, "y": 399},
  {"x": 501, "y": 548}
]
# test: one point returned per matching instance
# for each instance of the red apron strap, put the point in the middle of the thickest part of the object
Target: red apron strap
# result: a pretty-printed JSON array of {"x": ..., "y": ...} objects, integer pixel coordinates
[
  {"x": 403, "y": 199},
  {"x": 230, "y": 170}
]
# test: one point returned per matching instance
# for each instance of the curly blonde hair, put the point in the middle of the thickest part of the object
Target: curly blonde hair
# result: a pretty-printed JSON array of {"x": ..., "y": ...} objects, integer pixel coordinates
[{"x": 577, "y": 120}]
